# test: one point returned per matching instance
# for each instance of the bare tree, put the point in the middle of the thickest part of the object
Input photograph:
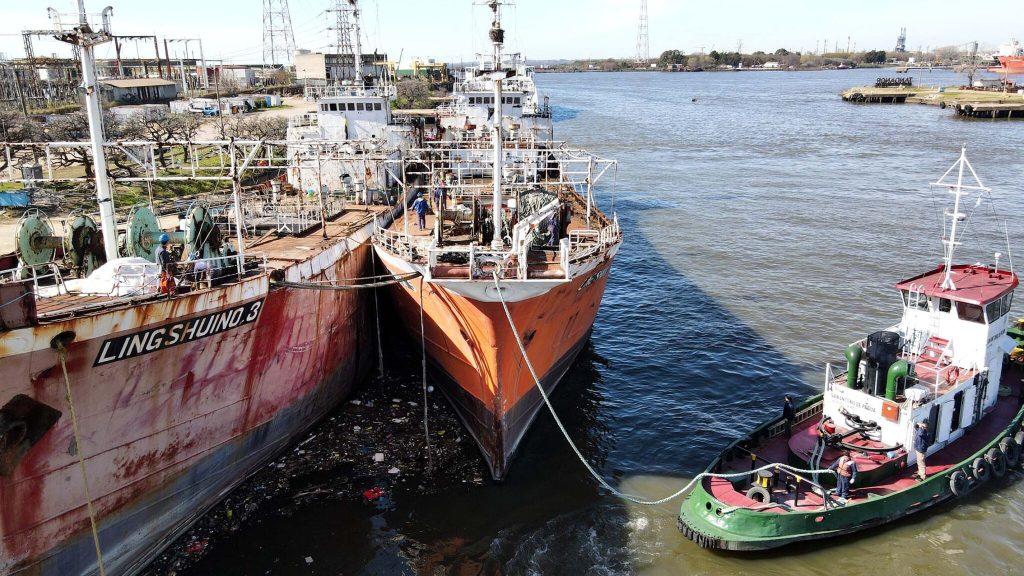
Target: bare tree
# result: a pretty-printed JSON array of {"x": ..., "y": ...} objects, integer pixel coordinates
[
  {"x": 257, "y": 127},
  {"x": 14, "y": 127},
  {"x": 969, "y": 63}
]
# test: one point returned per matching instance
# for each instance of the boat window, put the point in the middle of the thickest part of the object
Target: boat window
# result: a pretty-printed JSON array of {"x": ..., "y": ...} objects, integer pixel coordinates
[
  {"x": 323, "y": 107},
  {"x": 351, "y": 106},
  {"x": 945, "y": 305},
  {"x": 516, "y": 100},
  {"x": 970, "y": 312},
  {"x": 334, "y": 107},
  {"x": 376, "y": 105},
  {"x": 993, "y": 310},
  {"x": 359, "y": 106},
  {"x": 1007, "y": 301}
]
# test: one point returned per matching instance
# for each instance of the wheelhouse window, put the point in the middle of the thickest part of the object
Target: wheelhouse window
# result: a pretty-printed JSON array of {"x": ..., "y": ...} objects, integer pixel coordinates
[
  {"x": 970, "y": 312},
  {"x": 359, "y": 106},
  {"x": 351, "y": 106},
  {"x": 945, "y": 305},
  {"x": 916, "y": 300},
  {"x": 998, "y": 308},
  {"x": 376, "y": 106},
  {"x": 334, "y": 107}
]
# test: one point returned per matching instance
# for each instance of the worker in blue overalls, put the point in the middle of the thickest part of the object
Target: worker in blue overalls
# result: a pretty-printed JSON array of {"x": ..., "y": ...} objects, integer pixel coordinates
[{"x": 420, "y": 206}]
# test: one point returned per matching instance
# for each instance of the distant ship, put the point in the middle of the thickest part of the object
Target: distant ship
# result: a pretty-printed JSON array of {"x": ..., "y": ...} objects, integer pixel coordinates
[
  {"x": 1011, "y": 58},
  {"x": 517, "y": 225}
]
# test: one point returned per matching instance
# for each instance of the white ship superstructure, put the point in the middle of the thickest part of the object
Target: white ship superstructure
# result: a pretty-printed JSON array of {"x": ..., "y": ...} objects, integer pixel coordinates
[{"x": 473, "y": 108}]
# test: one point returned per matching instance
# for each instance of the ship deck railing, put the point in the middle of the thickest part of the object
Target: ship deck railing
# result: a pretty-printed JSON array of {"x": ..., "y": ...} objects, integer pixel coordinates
[
  {"x": 303, "y": 120},
  {"x": 291, "y": 218},
  {"x": 55, "y": 296},
  {"x": 946, "y": 379},
  {"x": 40, "y": 275},
  {"x": 409, "y": 247}
]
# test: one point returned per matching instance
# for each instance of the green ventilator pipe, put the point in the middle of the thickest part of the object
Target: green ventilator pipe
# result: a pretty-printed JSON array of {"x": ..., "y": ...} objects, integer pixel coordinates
[
  {"x": 853, "y": 352},
  {"x": 899, "y": 369}
]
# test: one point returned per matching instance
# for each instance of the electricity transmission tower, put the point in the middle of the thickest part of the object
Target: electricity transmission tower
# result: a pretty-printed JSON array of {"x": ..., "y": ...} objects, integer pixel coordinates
[
  {"x": 278, "y": 38},
  {"x": 643, "y": 44},
  {"x": 342, "y": 28}
]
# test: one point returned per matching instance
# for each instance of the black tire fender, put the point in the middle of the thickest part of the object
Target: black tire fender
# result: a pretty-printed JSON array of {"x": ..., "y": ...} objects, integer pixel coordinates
[
  {"x": 1011, "y": 449},
  {"x": 997, "y": 460},
  {"x": 759, "y": 494},
  {"x": 981, "y": 470},
  {"x": 959, "y": 483}
]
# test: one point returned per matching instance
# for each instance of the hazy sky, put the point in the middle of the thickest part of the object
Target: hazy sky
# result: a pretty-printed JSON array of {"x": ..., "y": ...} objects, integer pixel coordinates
[{"x": 455, "y": 29}]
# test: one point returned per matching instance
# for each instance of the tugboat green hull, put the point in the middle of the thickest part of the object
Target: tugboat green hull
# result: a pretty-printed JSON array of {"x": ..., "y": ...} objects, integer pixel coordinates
[{"x": 712, "y": 523}]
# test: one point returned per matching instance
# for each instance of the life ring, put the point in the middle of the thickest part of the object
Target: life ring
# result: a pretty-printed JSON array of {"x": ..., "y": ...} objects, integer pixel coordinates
[
  {"x": 1011, "y": 449},
  {"x": 981, "y": 470},
  {"x": 952, "y": 375},
  {"x": 997, "y": 460},
  {"x": 959, "y": 483},
  {"x": 759, "y": 494}
]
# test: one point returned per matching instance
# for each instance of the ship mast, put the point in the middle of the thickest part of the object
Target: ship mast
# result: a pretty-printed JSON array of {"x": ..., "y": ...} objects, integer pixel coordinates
[
  {"x": 496, "y": 242},
  {"x": 496, "y": 34},
  {"x": 357, "y": 55},
  {"x": 958, "y": 190},
  {"x": 84, "y": 37}
]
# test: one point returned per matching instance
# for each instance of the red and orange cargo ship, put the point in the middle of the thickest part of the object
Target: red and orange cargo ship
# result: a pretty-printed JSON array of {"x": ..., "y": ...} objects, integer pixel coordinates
[{"x": 549, "y": 262}]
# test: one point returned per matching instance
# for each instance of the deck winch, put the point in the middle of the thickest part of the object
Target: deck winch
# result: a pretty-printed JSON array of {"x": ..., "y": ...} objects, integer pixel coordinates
[
  {"x": 200, "y": 235},
  {"x": 82, "y": 244}
]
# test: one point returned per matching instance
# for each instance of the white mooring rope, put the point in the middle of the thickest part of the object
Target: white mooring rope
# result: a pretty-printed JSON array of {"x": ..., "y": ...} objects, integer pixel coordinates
[{"x": 598, "y": 477}]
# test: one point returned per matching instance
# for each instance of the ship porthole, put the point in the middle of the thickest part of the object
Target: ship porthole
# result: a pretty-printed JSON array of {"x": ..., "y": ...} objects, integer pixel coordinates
[
  {"x": 708, "y": 505},
  {"x": 718, "y": 511},
  {"x": 819, "y": 519}
]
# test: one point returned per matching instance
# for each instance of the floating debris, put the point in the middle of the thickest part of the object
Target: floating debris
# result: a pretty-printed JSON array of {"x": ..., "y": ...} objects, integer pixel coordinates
[{"x": 337, "y": 461}]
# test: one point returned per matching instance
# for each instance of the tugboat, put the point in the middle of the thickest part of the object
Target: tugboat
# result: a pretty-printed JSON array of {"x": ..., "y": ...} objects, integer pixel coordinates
[{"x": 933, "y": 382}]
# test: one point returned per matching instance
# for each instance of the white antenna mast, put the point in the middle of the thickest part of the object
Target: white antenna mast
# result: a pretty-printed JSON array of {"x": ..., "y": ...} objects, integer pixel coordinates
[
  {"x": 357, "y": 46},
  {"x": 497, "y": 34},
  {"x": 958, "y": 190},
  {"x": 85, "y": 38}
]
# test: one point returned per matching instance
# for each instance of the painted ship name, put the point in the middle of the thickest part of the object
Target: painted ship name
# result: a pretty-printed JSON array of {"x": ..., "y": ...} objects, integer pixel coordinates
[{"x": 154, "y": 339}]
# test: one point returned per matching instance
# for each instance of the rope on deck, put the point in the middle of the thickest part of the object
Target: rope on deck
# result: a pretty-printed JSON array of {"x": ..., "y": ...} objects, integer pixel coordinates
[
  {"x": 630, "y": 497},
  {"x": 378, "y": 281}
]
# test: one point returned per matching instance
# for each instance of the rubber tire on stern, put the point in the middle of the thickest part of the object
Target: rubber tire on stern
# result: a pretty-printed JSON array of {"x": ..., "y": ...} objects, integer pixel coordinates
[
  {"x": 959, "y": 483},
  {"x": 997, "y": 460},
  {"x": 981, "y": 470},
  {"x": 759, "y": 494},
  {"x": 1011, "y": 449}
]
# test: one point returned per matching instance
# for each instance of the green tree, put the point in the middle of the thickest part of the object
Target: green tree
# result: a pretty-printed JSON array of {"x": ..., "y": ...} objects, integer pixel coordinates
[
  {"x": 671, "y": 57},
  {"x": 875, "y": 56}
]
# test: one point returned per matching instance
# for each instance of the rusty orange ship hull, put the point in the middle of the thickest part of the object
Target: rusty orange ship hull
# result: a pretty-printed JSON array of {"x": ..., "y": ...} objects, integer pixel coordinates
[
  {"x": 177, "y": 401},
  {"x": 484, "y": 375}
]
